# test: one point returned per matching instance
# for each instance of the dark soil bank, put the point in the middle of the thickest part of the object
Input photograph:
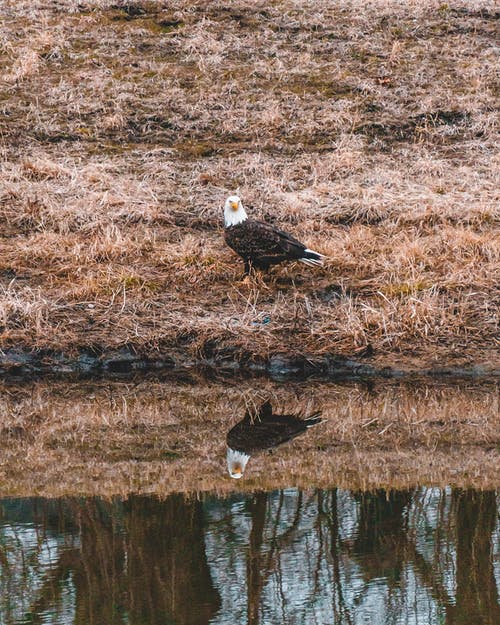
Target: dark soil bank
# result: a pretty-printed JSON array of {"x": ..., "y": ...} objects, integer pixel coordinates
[{"x": 86, "y": 363}]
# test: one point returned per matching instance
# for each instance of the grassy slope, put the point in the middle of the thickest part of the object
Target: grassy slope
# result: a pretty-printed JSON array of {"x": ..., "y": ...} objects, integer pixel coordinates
[
  {"x": 60, "y": 438},
  {"x": 367, "y": 131}
]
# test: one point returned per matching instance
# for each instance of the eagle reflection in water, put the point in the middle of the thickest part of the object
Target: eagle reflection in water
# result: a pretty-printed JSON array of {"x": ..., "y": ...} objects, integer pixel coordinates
[{"x": 265, "y": 430}]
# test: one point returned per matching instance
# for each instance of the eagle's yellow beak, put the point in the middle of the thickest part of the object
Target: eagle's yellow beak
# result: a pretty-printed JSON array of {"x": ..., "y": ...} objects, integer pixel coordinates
[
  {"x": 234, "y": 205},
  {"x": 236, "y": 472}
]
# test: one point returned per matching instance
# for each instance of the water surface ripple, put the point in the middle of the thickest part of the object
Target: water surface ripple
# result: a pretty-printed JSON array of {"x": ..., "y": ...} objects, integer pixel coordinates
[{"x": 424, "y": 555}]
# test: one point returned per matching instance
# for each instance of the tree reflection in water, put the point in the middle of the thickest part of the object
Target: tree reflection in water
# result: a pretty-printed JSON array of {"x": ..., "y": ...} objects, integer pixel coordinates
[
  {"x": 422, "y": 556},
  {"x": 138, "y": 561},
  {"x": 341, "y": 557}
]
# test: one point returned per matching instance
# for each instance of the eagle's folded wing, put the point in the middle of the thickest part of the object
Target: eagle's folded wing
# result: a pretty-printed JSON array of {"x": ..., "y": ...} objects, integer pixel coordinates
[{"x": 273, "y": 241}]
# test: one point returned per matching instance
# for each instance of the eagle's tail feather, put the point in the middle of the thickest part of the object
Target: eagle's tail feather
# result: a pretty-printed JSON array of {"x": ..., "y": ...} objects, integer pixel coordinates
[
  {"x": 312, "y": 258},
  {"x": 313, "y": 419}
]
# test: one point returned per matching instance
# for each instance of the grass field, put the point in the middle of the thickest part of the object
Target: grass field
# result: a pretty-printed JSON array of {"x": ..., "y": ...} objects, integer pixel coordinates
[
  {"x": 148, "y": 436},
  {"x": 369, "y": 130}
]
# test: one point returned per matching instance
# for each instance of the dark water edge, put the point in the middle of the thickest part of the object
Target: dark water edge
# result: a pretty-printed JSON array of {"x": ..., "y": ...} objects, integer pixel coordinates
[
  {"x": 423, "y": 555},
  {"x": 21, "y": 364}
]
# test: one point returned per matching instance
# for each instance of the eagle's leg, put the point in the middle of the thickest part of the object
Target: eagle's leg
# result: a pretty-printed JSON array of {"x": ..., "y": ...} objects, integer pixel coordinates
[
  {"x": 248, "y": 273},
  {"x": 248, "y": 267},
  {"x": 252, "y": 276}
]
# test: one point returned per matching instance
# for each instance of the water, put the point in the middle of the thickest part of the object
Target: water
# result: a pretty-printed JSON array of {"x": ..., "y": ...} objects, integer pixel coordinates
[
  {"x": 162, "y": 436},
  {"x": 419, "y": 556},
  {"x": 306, "y": 535}
]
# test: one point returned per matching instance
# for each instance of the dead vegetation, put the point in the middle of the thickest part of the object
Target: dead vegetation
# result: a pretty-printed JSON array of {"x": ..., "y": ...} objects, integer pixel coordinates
[
  {"x": 367, "y": 130},
  {"x": 151, "y": 436}
]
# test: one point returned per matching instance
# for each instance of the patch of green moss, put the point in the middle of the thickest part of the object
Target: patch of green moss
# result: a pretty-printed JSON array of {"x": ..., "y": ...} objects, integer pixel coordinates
[
  {"x": 170, "y": 455},
  {"x": 405, "y": 288},
  {"x": 167, "y": 26},
  {"x": 197, "y": 149},
  {"x": 318, "y": 85}
]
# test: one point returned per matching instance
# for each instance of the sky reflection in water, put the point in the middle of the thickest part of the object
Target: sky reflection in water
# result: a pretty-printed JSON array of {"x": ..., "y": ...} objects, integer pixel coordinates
[{"x": 421, "y": 556}]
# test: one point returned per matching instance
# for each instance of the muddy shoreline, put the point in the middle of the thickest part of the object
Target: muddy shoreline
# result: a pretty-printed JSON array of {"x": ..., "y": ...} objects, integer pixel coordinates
[{"x": 23, "y": 365}]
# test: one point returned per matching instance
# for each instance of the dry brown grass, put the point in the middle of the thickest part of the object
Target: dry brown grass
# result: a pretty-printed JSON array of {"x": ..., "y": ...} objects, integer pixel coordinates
[
  {"x": 367, "y": 129},
  {"x": 59, "y": 438}
]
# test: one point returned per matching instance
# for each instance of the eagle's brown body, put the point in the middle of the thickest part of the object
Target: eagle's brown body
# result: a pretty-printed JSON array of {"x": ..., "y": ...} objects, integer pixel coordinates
[
  {"x": 261, "y": 245},
  {"x": 267, "y": 430}
]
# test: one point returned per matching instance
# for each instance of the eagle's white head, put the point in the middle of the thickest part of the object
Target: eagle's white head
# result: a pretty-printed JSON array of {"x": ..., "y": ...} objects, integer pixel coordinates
[
  {"x": 234, "y": 213},
  {"x": 236, "y": 462}
]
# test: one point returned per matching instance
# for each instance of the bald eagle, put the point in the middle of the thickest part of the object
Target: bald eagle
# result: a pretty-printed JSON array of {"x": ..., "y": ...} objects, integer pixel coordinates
[
  {"x": 262, "y": 431},
  {"x": 260, "y": 244}
]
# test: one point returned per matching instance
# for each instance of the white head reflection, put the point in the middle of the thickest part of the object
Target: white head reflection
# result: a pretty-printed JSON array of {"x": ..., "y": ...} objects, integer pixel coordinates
[{"x": 236, "y": 462}]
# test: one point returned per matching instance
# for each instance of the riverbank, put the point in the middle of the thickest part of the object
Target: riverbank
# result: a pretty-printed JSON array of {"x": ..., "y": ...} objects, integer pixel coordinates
[
  {"x": 127, "y": 361},
  {"x": 367, "y": 131}
]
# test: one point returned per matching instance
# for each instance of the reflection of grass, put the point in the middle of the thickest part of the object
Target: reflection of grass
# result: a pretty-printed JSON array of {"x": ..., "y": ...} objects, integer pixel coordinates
[
  {"x": 371, "y": 139},
  {"x": 166, "y": 437}
]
